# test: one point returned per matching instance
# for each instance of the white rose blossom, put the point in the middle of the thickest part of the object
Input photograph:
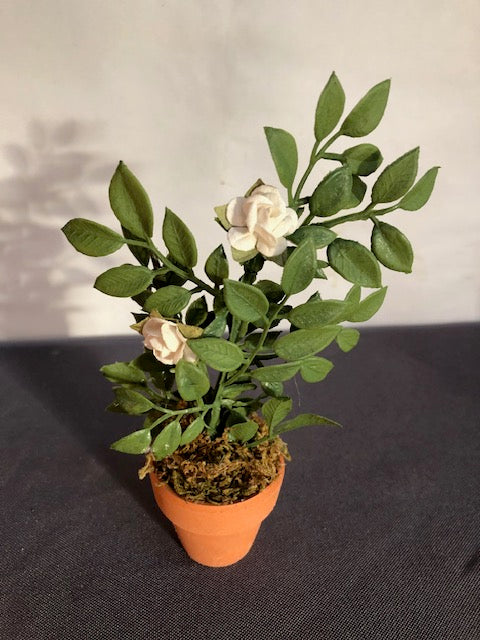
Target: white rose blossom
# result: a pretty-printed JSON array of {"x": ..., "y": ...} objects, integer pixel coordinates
[
  {"x": 164, "y": 338},
  {"x": 261, "y": 221}
]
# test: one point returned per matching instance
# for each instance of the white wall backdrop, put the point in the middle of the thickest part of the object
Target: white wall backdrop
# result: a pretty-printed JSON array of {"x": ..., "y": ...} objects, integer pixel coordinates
[{"x": 180, "y": 90}]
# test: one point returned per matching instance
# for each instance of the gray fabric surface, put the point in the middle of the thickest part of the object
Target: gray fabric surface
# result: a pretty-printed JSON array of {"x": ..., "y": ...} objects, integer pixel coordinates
[{"x": 376, "y": 534}]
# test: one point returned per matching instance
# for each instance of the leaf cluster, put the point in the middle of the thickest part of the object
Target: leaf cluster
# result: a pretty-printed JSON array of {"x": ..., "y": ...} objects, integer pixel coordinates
[{"x": 230, "y": 325}]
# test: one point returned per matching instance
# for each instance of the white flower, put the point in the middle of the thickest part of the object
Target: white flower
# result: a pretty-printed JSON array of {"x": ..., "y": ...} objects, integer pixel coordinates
[
  {"x": 167, "y": 343},
  {"x": 261, "y": 221}
]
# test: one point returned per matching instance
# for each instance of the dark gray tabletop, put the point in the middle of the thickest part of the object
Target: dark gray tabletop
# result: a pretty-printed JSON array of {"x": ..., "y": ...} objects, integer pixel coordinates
[{"x": 376, "y": 533}]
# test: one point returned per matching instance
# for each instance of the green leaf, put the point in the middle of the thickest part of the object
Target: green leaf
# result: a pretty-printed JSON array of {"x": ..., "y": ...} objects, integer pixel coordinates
[
  {"x": 304, "y": 420},
  {"x": 217, "y": 326},
  {"x": 147, "y": 362},
  {"x": 367, "y": 307},
  {"x": 132, "y": 402},
  {"x": 179, "y": 240},
  {"x": 274, "y": 389},
  {"x": 167, "y": 441},
  {"x": 234, "y": 390},
  {"x": 348, "y": 338},
  {"x": 130, "y": 203},
  {"x": 305, "y": 342},
  {"x": 219, "y": 354},
  {"x": 242, "y": 431},
  {"x": 367, "y": 113},
  {"x": 216, "y": 266},
  {"x": 197, "y": 313},
  {"x": 300, "y": 267},
  {"x": 91, "y": 238},
  {"x": 329, "y": 108},
  {"x": 363, "y": 159},
  {"x": 243, "y": 256},
  {"x": 332, "y": 192},
  {"x": 353, "y": 295},
  {"x": 392, "y": 247},
  {"x": 275, "y": 410},
  {"x": 124, "y": 281},
  {"x": 168, "y": 300},
  {"x": 142, "y": 254},
  {"x": 189, "y": 331},
  {"x": 136, "y": 442},
  {"x": 221, "y": 218},
  {"x": 283, "y": 149},
  {"x": 357, "y": 194},
  {"x": 123, "y": 372},
  {"x": 252, "y": 341},
  {"x": 355, "y": 263},
  {"x": 317, "y": 313},
  {"x": 281, "y": 260},
  {"x": 193, "y": 430},
  {"x": 258, "y": 183},
  {"x": 192, "y": 381},
  {"x": 420, "y": 193},
  {"x": 276, "y": 372},
  {"x": 244, "y": 301},
  {"x": 397, "y": 178},
  {"x": 320, "y": 236},
  {"x": 270, "y": 289},
  {"x": 315, "y": 369}
]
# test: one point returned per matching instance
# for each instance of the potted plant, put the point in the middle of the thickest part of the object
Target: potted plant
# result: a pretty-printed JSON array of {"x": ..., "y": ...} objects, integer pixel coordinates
[{"x": 208, "y": 384}]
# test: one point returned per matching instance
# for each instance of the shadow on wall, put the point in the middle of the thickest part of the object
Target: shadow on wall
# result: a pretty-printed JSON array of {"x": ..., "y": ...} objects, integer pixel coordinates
[{"x": 51, "y": 181}]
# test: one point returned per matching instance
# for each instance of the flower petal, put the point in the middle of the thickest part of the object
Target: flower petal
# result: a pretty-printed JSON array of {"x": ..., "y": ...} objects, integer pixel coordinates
[
  {"x": 171, "y": 336},
  {"x": 163, "y": 358},
  {"x": 266, "y": 241},
  {"x": 286, "y": 224},
  {"x": 188, "y": 354},
  {"x": 250, "y": 209},
  {"x": 240, "y": 238},
  {"x": 269, "y": 249},
  {"x": 235, "y": 214},
  {"x": 273, "y": 194},
  {"x": 154, "y": 342},
  {"x": 152, "y": 326}
]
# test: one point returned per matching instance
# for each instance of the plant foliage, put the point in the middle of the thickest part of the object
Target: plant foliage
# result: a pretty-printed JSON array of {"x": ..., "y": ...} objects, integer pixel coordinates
[{"x": 216, "y": 359}]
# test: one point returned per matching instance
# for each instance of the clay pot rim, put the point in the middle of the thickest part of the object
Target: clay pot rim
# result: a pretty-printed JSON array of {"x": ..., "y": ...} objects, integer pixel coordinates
[{"x": 173, "y": 495}]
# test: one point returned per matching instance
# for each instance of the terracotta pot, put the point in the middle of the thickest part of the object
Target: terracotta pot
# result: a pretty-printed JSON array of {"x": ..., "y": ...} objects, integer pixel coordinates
[{"x": 217, "y": 535}]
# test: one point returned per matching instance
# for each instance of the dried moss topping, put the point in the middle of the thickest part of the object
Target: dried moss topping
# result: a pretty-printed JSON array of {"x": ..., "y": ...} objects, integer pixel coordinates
[{"x": 219, "y": 471}]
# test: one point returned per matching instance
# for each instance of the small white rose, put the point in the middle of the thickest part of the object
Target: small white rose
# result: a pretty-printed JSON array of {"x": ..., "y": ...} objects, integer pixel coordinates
[
  {"x": 163, "y": 337},
  {"x": 261, "y": 221}
]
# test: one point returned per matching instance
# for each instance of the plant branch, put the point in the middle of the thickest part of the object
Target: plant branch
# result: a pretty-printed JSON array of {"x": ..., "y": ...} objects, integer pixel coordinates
[
  {"x": 260, "y": 344},
  {"x": 367, "y": 213},
  {"x": 315, "y": 156},
  {"x": 181, "y": 412},
  {"x": 173, "y": 267}
]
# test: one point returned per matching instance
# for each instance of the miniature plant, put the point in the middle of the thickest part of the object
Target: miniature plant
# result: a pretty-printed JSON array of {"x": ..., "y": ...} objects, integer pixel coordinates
[{"x": 212, "y": 343}]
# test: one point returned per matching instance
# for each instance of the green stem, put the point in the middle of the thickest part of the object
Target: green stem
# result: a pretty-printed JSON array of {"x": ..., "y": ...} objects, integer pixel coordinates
[
  {"x": 215, "y": 417},
  {"x": 333, "y": 156},
  {"x": 315, "y": 156},
  {"x": 307, "y": 220},
  {"x": 360, "y": 215},
  {"x": 260, "y": 344},
  {"x": 173, "y": 267},
  {"x": 261, "y": 441},
  {"x": 182, "y": 412},
  {"x": 305, "y": 176}
]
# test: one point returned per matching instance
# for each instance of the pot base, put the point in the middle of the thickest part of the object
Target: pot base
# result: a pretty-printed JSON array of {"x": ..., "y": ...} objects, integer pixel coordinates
[
  {"x": 217, "y": 551},
  {"x": 217, "y": 535}
]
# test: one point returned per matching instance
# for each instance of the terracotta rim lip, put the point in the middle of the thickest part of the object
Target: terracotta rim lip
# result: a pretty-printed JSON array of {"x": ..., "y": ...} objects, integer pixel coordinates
[{"x": 271, "y": 488}]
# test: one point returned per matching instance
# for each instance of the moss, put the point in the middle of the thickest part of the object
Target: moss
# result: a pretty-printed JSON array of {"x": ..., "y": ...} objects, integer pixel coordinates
[{"x": 219, "y": 471}]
